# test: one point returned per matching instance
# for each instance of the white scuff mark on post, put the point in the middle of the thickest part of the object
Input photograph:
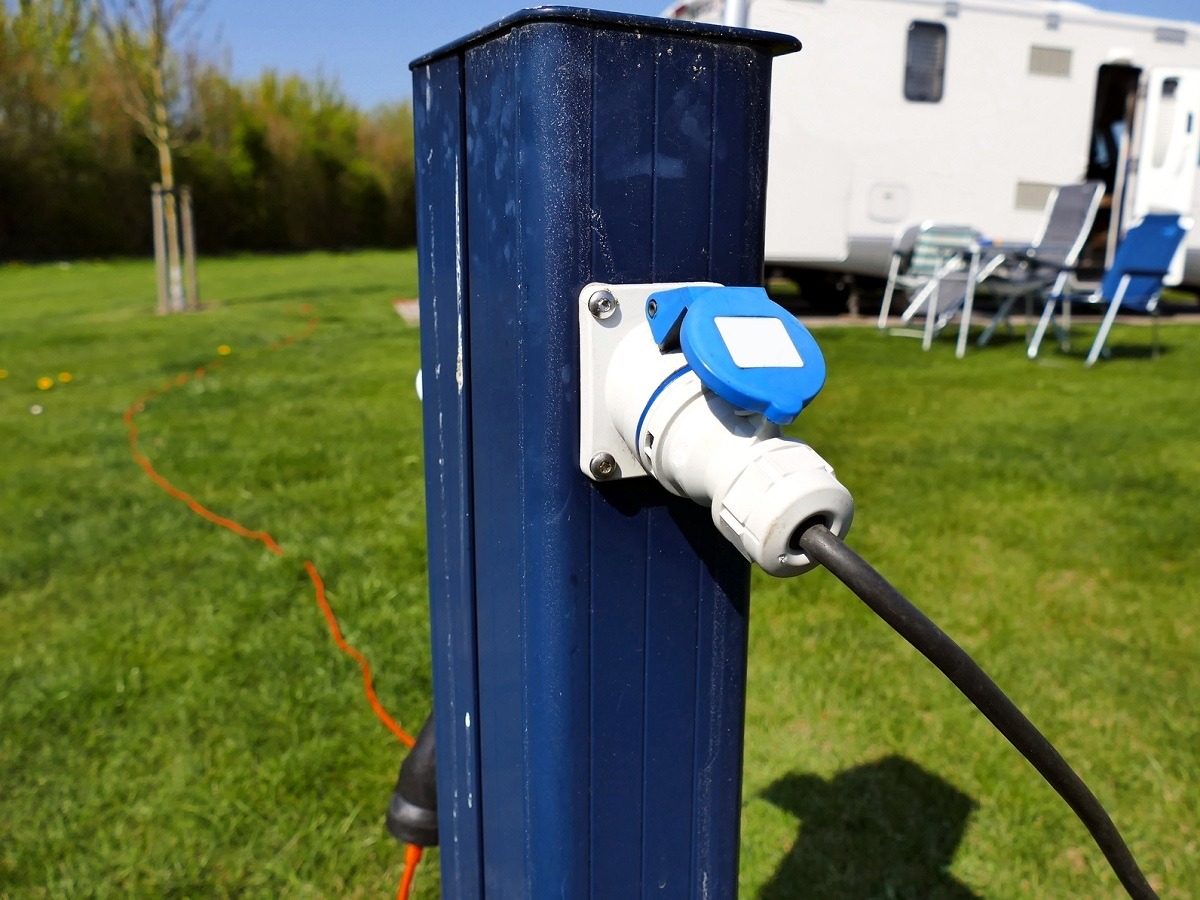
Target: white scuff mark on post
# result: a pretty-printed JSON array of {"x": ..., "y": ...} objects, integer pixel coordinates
[
  {"x": 602, "y": 237},
  {"x": 433, "y": 271},
  {"x": 458, "y": 277},
  {"x": 467, "y": 720},
  {"x": 458, "y": 364}
]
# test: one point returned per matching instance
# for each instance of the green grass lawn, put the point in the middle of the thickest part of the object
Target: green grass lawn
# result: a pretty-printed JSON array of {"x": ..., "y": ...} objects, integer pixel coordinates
[{"x": 174, "y": 719}]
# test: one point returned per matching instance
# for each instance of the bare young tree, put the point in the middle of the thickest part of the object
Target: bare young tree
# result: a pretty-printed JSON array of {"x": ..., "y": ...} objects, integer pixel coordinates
[{"x": 143, "y": 36}]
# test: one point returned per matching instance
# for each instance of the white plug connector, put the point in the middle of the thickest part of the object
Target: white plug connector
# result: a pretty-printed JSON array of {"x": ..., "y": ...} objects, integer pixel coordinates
[{"x": 762, "y": 487}]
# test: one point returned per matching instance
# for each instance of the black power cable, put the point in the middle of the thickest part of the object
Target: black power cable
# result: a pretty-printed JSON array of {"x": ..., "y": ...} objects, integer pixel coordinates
[{"x": 914, "y": 626}]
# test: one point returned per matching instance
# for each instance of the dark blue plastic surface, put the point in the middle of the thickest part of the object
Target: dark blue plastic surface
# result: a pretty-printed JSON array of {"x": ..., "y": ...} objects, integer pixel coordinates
[
  {"x": 595, "y": 634},
  {"x": 688, "y": 318},
  {"x": 441, "y": 165}
]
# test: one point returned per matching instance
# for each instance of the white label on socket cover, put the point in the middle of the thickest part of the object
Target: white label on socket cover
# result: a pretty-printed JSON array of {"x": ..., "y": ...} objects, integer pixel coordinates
[{"x": 758, "y": 343}]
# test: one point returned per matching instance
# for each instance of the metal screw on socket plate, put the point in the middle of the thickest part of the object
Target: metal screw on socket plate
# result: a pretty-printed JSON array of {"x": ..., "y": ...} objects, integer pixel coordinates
[
  {"x": 602, "y": 304},
  {"x": 603, "y": 466}
]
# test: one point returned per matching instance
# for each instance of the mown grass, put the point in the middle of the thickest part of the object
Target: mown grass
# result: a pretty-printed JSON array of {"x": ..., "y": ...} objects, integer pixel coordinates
[{"x": 174, "y": 719}]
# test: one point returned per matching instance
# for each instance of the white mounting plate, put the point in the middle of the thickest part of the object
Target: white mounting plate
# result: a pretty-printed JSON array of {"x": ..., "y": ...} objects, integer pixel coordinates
[{"x": 598, "y": 340}]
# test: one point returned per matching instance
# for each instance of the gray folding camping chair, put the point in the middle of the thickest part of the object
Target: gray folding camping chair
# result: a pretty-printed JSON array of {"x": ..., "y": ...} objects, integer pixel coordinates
[
  {"x": 938, "y": 266},
  {"x": 1047, "y": 263},
  {"x": 1134, "y": 282}
]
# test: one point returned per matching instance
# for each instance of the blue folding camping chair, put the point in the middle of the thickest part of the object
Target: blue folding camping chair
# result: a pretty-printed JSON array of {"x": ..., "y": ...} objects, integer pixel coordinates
[{"x": 1133, "y": 283}]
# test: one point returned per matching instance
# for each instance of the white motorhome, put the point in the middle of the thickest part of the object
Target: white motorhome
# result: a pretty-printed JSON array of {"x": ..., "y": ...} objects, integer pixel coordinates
[{"x": 967, "y": 111}]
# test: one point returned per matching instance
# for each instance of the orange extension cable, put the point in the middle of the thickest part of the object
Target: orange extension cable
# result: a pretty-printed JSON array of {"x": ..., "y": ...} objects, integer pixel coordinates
[{"x": 412, "y": 854}]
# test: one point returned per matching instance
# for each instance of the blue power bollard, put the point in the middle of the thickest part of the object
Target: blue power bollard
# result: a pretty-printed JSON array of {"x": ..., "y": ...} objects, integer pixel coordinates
[{"x": 589, "y": 640}]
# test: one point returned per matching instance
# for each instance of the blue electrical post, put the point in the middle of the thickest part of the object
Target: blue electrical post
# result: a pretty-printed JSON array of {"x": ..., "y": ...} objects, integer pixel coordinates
[{"x": 589, "y": 639}]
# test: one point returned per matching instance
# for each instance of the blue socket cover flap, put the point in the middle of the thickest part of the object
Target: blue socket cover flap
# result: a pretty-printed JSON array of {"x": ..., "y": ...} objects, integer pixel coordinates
[
  {"x": 745, "y": 348},
  {"x": 665, "y": 311}
]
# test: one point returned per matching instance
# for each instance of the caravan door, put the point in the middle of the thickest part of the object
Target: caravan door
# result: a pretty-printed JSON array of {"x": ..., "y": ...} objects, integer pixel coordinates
[{"x": 1166, "y": 148}]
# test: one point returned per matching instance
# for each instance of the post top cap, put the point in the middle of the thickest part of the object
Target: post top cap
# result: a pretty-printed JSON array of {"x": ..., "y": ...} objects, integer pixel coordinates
[{"x": 775, "y": 43}]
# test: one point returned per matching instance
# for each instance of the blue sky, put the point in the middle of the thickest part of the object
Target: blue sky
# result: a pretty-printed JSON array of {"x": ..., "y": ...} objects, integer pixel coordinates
[{"x": 367, "y": 44}]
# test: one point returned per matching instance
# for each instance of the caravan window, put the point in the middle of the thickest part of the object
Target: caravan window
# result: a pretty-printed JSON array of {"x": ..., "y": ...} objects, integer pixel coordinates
[{"x": 925, "y": 62}]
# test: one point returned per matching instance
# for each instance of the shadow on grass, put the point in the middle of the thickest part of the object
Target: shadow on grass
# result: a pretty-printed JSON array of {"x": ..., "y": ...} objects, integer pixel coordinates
[
  {"x": 1131, "y": 351},
  {"x": 1081, "y": 343},
  {"x": 886, "y": 829},
  {"x": 1079, "y": 350}
]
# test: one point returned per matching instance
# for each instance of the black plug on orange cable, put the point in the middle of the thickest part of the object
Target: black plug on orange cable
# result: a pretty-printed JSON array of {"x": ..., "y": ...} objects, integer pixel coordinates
[{"x": 412, "y": 814}]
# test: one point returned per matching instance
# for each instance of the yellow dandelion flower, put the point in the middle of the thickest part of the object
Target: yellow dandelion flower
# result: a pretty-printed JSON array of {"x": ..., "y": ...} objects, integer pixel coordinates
[
  {"x": 65, "y": 377},
  {"x": 224, "y": 349},
  {"x": 44, "y": 383}
]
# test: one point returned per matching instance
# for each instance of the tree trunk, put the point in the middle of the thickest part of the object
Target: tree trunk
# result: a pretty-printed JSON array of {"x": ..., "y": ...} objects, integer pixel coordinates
[
  {"x": 160, "y": 250},
  {"x": 170, "y": 208}
]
